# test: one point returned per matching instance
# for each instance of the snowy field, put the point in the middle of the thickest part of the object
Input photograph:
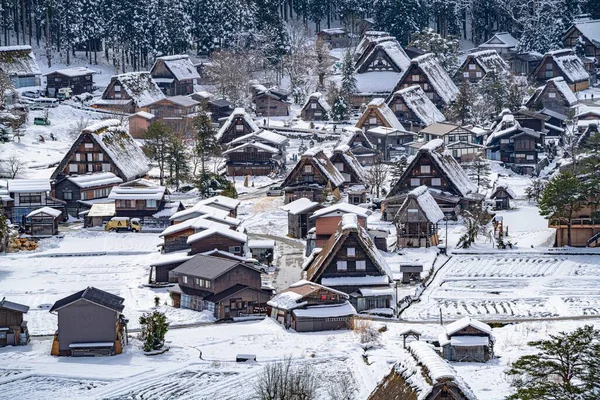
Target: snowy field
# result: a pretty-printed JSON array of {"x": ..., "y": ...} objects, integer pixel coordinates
[{"x": 512, "y": 286}]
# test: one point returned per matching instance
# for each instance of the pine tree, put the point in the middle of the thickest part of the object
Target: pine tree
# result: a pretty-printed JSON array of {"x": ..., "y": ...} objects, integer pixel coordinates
[
  {"x": 348, "y": 87},
  {"x": 154, "y": 328},
  {"x": 479, "y": 171},
  {"x": 561, "y": 198},
  {"x": 535, "y": 189},
  {"x": 401, "y": 18},
  {"x": 446, "y": 49},
  {"x": 543, "y": 30},
  {"x": 205, "y": 146},
  {"x": 157, "y": 138},
  {"x": 177, "y": 159},
  {"x": 461, "y": 109}
]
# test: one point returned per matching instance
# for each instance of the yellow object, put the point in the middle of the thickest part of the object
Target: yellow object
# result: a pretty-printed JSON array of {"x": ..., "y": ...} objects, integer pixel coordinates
[{"x": 123, "y": 224}]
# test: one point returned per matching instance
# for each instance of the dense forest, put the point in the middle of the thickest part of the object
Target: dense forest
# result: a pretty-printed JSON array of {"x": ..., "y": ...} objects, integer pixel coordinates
[{"x": 132, "y": 32}]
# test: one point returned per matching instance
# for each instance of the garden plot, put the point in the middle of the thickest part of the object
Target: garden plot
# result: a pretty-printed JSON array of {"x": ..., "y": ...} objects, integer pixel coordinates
[{"x": 515, "y": 286}]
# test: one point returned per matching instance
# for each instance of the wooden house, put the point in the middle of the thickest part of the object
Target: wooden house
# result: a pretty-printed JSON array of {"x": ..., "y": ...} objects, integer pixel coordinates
[
  {"x": 298, "y": 212},
  {"x": 464, "y": 142},
  {"x": 309, "y": 307},
  {"x": 162, "y": 267},
  {"x": 227, "y": 288},
  {"x": 334, "y": 37},
  {"x": 426, "y": 71},
  {"x": 523, "y": 64},
  {"x": 177, "y": 112},
  {"x": 139, "y": 124},
  {"x": 220, "y": 238},
  {"x": 554, "y": 121},
  {"x": 587, "y": 33},
  {"x": 467, "y": 340},
  {"x": 502, "y": 195},
  {"x": 220, "y": 108},
  {"x": 265, "y": 137},
  {"x": 103, "y": 155},
  {"x": 501, "y": 42},
  {"x": 236, "y": 125},
  {"x": 202, "y": 97},
  {"x": 175, "y": 75},
  {"x": 311, "y": 175},
  {"x": 326, "y": 221},
  {"x": 262, "y": 250},
  {"x": 528, "y": 119},
  {"x": 253, "y": 158},
  {"x": 79, "y": 79},
  {"x": 585, "y": 228},
  {"x": 144, "y": 200},
  {"x": 521, "y": 149},
  {"x": 20, "y": 66},
  {"x": 446, "y": 180},
  {"x": 198, "y": 210},
  {"x": 348, "y": 165},
  {"x": 357, "y": 194},
  {"x": 13, "y": 328},
  {"x": 563, "y": 63},
  {"x": 90, "y": 323},
  {"x": 272, "y": 102},
  {"x": 222, "y": 203},
  {"x": 316, "y": 108},
  {"x": 378, "y": 113},
  {"x": 360, "y": 145},
  {"x": 349, "y": 262},
  {"x": 43, "y": 222},
  {"x": 555, "y": 95},
  {"x": 129, "y": 93},
  {"x": 414, "y": 109},
  {"x": 479, "y": 64},
  {"x": 390, "y": 142},
  {"x": 175, "y": 237},
  {"x": 417, "y": 219},
  {"x": 98, "y": 214},
  {"x": 422, "y": 374},
  {"x": 28, "y": 195},
  {"x": 368, "y": 37}
]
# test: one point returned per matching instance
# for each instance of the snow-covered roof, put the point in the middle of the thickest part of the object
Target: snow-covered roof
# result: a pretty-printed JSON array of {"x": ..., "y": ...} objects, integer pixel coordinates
[
  {"x": 377, "y": 291},
  {"x": 45, "y": 210},
  {"x": 180, "y": 66},
  {"x": 262, "y": 136},
  {"x": 184, "y": 101},
  {"x": 97, "y": 179},
  {"x": 465, "y": 322},
  {"x": 488, "y": 60},
  {"x": 299, "y": 206},
  {"x": 348, "y": 135},
  {"x": 237, "y": 113},
  {"x": 261, "y": 244},
  {"x": 140, "y": 87},
  {"x": 564, "y": 89},
  {"x": 73, "y": 72},
  {"x": 144, "y": 114},
  {"x": 340, "y": 209},
  {"x": 325, "y": 311},
  {"x": 230, "y": 233},
  {"x": 351, "y": 161},
  {"x": 289, "y": 298},
  {"x": 437, "y": 76},
  {"x": 120, "y": 147},
  {"x": 415, "y": 98},
  {"x": 321, "y": 162},
  {"x": 426, "y": 202},
  {"x": 28, "y": 185},
  {"x": 379, "y": 106},
  {"x": 333, "y": 31},
  {"x": 320, "y": 98},
  {"x": 500, "y": 40},
  {"x": 570, "y": 65},
  {"x": 286, "y": 300},
  {"x": 197, "y": 224},
  {"x": 356, "y": 281},
  {"x": 18, "y": 61},
  {"x": 220, "y": 201},
  {"x": 198, "y": 210},
  {"x": 254, "y": 144},
  {"x": 376, "y": 83},
  {"x": 392, "y": 49},
  {"x": 590, "y": 29},
  {"x": 102, "y": 210},
  {"x": 129, "y": 192},
  {"x": 508, "y": 190}
]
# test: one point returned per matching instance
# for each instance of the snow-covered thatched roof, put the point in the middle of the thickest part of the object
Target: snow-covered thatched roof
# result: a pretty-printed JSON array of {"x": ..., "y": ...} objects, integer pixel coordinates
[
  {"x": 293, "y": 296},
  {"x": 351, "y": 161},
  {"x": 180, "y": 66},
  {"x": 488, "y": 60},
  {"x": 317, "y": 158},
  {"x": 379, "y": 107},
  {"x": 140, "y": 87},
  {"x": 462, "y": 323},
  {"x": 417, "y": 101},
  {"x": 426, "y": 202},
  {"x": 389, "y": 48},
  {"x": 436, "y": 75},
  {"x": 590, "y": 29},
  {"x": 18, "y": 61},
  {"x": 500, "y": 40},
  {"x": 237, "y": 113},
  {"x": 320, "y": 99},
  {"x": 568, "y": 63},
  {"x": 262, "y": 136}
]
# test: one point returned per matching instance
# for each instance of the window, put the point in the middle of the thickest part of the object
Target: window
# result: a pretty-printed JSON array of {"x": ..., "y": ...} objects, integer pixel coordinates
[
  {"x": 207, "y": 284},
  {"x": 478, "y": 74},
  {"x": 197, "y": 281},
  {"x": 505, "y": 141},
  {"x": 415, "y": 78},
  {"x": 323, "y": 297},
  {"x": 309, "y": 178},
  {"x": 472, "y": 67},
  {"x": 77, "y": 156},
  {"x": 351, "y": 252},
  {"x": 530, "y": 156},
  {"x": 451, "y": 138},
  {"x": 455, "y": 153},
  {"x": 429, "y": 95},
  {"x": 465, "y": 74},
  {"x": 342, "y": 266},
  {"x": 117, "y": 88},
  {"x": 90, "y": 168},
  {"x": 88, "y": 145},
  {"x": 68, "y": 195},
  {"x": 520, "y": 155},
  {"x": 372, "y": 121},
  {"x": 415, "y": 182},
  {"x": 548, "y": 66},
  {"x": 425, "y": 169},
  {"x": 89, "y": 157},
  {"x": 361, "y": 265},
  {"x": 100, "y": 157},
  {"x": 339, "y": 166},
  {"x": 185, "y": 279},
  {"x": 436, "y": 182},
  {"x": 105, "y": 167},
  {"x": 308, "y": 169},
  {"x": 425, "y": 86},
  {"x": 552, "y": 95},
  {"x": 239, "y": 128},
  {"x": 72, "y": 167},
  {"x": 313, "y": 105},
  {"x": 151, "y": 204},
  {"x": 463, "y": 138},
  {"x": 30, "y": 198},
  {"x": 235, "y": 249}
]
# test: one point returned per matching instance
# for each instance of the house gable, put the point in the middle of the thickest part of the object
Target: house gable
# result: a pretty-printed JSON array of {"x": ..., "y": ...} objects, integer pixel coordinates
[{"x": 415, "y": 171}]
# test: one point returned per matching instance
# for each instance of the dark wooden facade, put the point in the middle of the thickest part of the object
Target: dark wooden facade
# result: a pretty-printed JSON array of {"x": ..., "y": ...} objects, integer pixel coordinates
[
  {"x": 574, "y": 35},
  {"x": 272, "y": 103},
  {"x": 176, "y": 112},
  {"x": 413, "y": 227},
  {"x": 253, "y": 159},
  {"x": 308, "y": 178},
  {"x": 220, "y": 242},
  {"x": 334, "y": 37},
  {"x": 13, "y": 328},
  {"x": 175, "y": 75},
  {"x": 80, "y": 81},
  {"x": 520, "y": 150},
  {"x": 390, "y": 142},
  {"x": 65, "y": 189},
  {"x": 353, "y": 174},
  {"x": 548, "y": 68},
  {"x": 237, "y": 125},
  {"x": 315, "y": 109}
]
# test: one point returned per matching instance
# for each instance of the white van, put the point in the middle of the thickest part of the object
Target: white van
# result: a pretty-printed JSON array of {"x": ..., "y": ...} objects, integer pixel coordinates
[
  {"x": 64, "y": 93},
  {"x": 43, "y": 102}
]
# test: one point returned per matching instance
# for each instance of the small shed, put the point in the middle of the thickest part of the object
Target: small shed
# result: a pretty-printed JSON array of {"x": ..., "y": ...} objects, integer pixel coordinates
[
  {"x": 409, "y": 333},
  {"x": 99, "y": 214},
  {"x": 502, "y": 196},
  {"x": 139, "y": 123},
  {"x": 13, "y": 328},
  {"x": 43, "y": 221},
  {"x": 357, "y": 194},
  {"x": 262, "y": 250},
  {"x": 411, "y": 272},
  {"x": 316, "y": 108},
  {"x": 467, "y": 340},
  {"x": 299, "y": 211},
  {"x": 335, "y": 37}
]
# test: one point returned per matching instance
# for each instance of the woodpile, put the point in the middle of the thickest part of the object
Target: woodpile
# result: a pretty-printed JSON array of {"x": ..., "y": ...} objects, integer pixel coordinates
[{"x": 19, "y": 244}]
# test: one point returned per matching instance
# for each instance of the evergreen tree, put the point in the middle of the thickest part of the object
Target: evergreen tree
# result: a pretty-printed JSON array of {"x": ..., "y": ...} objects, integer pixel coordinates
[
  {"x": 561, "y": 198},
  {"x": 446, "y": 49},
  {"x": 397, "y": 168},
  {"x": 230, "y": 191},
  {"x": 401, "y": 18},
  {"x": 493, "y": 89},
  {"x": 339, "y": 103},
  {"x": 535, "y": 189},
  {"x": 157, "y": 138},
  {"x": 479, "y": 171},
  {"x": 461, "y": 110},
  {"x": 565, "y": 367},
  {"x": 445, "y": 15},
  {"x": 154, "y": 328},
  {"x": 348, "y": 87},
  {"x": 205, "y": 146},
  {"x": 544, "y": 28},
  {"x": 177, "y": 159}
]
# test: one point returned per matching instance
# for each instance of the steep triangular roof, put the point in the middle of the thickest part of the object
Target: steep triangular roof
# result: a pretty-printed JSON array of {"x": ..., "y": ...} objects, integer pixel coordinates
[
  {"x": 179, "y": 65},
  {"x": 426, "y": 203},
  {"x": 501, "y": 40},
  {"x": 317, "y": 158},
  {"x": 18, "y": 61},
  {"x": 293, "y": 297},
  {"x": 140, "y": 86},
  {"x": 389, "y": 53},
  {"x": 347, "y": 227},
  {"x": 488, "y": 61},
  {"x": 92, "y": 295},
  {"x": 589, "y": 29},
  {"x": 568, "y": 63},
  {"x": 561, "y": 87},
  {"x": 237, "y": 113},
  {"x": 417, "y": 101},
  {"x": 379, "y": 107},
  {"x": 351, "y": 161},
  {"x": 348, "y": 135},
  {"x": 320, "y": 99}
]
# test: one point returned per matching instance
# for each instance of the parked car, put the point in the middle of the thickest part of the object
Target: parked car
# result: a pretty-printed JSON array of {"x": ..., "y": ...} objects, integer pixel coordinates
[
  {"x": 275, "y": 191},
  {"x": 32, "y": 94},
  {"x": 41, "y": 121},
  {"x": 118, "y": 224},
  {"x": 64, "y": 93}
]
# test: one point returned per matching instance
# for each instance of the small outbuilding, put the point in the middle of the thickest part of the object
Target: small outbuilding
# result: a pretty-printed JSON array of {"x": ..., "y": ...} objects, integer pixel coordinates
[
  {"x": 299, "y": 211},
  {"x": 79, "y": 79},
  {"x": 99, "y": 213},
  {"x": 411, "y": 272},
  {"x": 262, "y": 250},
  {"x": 467, "y": 340},
  {"x": 316, "y": 108},
  {"x": 417, "y": 219},
  {"x": 43, "y": 221},
  {"x": 502, "y": 196},
  {"x": 13, "y": 329}
]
